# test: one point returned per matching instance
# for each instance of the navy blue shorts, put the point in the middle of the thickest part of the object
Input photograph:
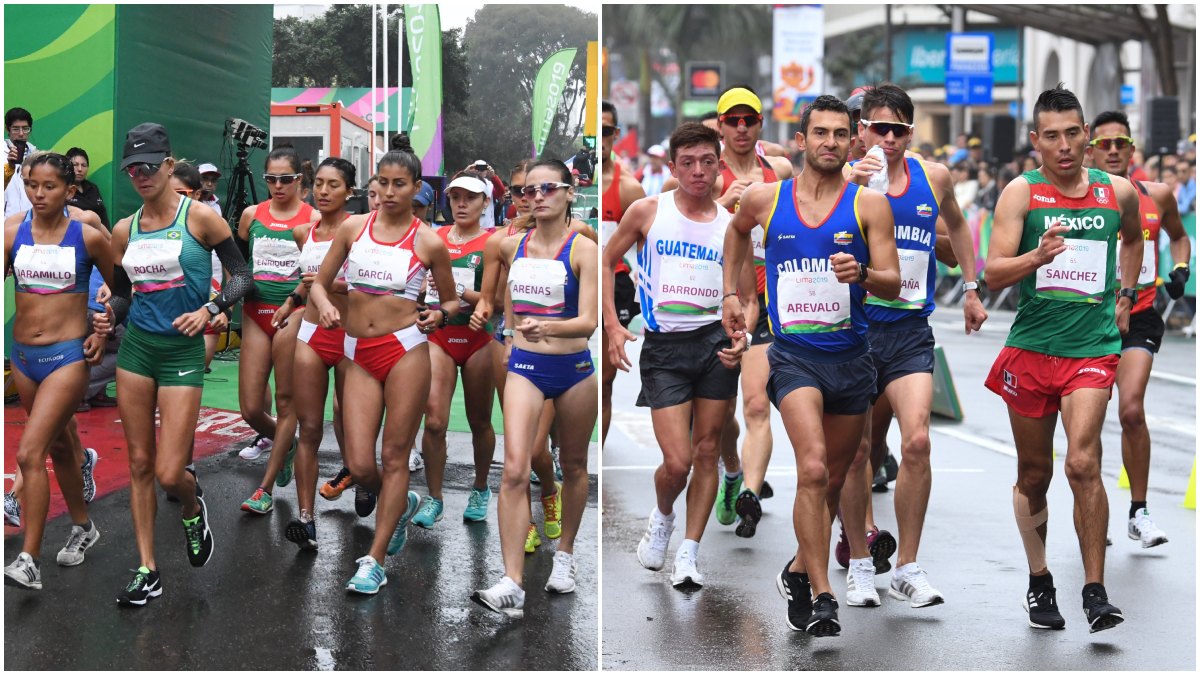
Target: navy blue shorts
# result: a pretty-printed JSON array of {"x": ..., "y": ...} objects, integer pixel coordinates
[
  {"x": 679, "y": 367},
  {"x": 37, "y": 362},
  {"x": 552, "y": 374},
  {"x": 899, "y": 349},
  {"x": 847, "y": 386},
  {"x": 762, "y": 328}
]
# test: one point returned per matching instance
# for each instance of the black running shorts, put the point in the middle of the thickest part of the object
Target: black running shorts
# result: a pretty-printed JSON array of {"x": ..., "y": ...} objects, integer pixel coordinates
[
  {"x": 679, "y": 367},
  {"x": 625, "y": 298},
  {"x": 1145, "y": 331}
]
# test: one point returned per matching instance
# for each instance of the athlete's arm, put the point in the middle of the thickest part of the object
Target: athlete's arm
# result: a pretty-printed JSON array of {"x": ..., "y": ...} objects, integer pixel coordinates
[
  {"x": 630, "y": 231},
  {"x": 117, "y": 307},
  {"x": 1132, "y": 245},
  {"x": 1004, "y": 267},
  {"x": 781, "y": 164},
  {"x": 748, "y": 292},
  {"x": 10, "y": 235},
  {"x": 101, "y": 255},
  {"x": 90, "y": 219},
  {"x": 583, "y": 325},
  {"x": 942, "y": 248},
  {"x": 431, "y": 248},
  {"x": 1181, "y": 244},
  {"x": 883, "y": 279},
  {"x": 774, "y": 150},
  {"x": 584, "y": 230},
  {"x": 756, "y": 202},
  {"x": 491, "y": 277},
  {"x": 335, "y": 257},
  {"x": 631, "y": 191},
  {"x": 960, "y": 242},
  {"x": 243, "y": 231}
]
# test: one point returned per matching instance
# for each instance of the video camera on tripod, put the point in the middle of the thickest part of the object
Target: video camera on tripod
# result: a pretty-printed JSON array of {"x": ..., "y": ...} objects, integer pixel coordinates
[{"x": 244, "y": 133}]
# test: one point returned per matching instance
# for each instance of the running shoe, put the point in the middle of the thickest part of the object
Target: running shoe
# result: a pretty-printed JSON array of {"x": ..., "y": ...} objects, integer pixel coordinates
[
  {"x": 532, "y": 540},
  {"x": 562, "y": 576},
  {"x": 879, "y": 483},
  {"x": 400, "y": 536},
  {"x": 749, "y": 510},
  {"x": 12, "y": 509},
  {"x": 842, "y": 551},
  {"x": 767, "y": 491},
  {"x": 794, "y": 587},
  {"x": 416, "y": 461},
  {"x": 506, "y": 597},
  {"x": 146, "y": 584},
  {"x": 302, "y": 534},
  {"x": 1141, "y": 528},
  {"x": 429, "y": 513},
  {"x": 911, "y": 583},
  {"x": 727, "y": 491},
  {"x": 1100, "y": 614},
  {"x": 652, "y": 549},
  {"x": 257, "y": 447},
  {"x": 891, "y": 468},
  {"x": 23, "y": 572},
  {"x": 364, "y": 501},
  {"x": 289, "y": 465},
  {"x": 90, "y": 457},
  {"x": 77, "y": 542},
  {"x": 333, "y": 488},
  {"x": 477, "y": 505},
  {"x": 686, "y": 575},
  {"x": 199, "y": 536},
  {"x": 882, "y": 545},
  {"x": 260, "y": 502},
  {"x": 1042, "y": 606},
  {"x": 369, "y": 578},
  {"x": 552, "y": 513},
  {"x": 860, "y": 584},
  {"x": 554, "y": 450},
  {"x": 824, "y": 619}
]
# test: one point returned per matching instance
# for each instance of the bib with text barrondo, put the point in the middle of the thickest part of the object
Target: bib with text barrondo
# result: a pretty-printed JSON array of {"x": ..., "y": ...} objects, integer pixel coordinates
[
  {"x": 1077, "y": 274},
  {"x": 153, "y": 264},
  {"x": 688, "y": 286},
  {"x": 1148, "y": 275},
  {"x": 760, "y": 248},
  {"x": 378, "y": 270},
  {"x": 812, "y": 302},
  {"x": 276, "y": 259},
  {"x": 538, "y": 286},
  {"x": 43, "y": 269},
  {"x": 914, "y": 275}
]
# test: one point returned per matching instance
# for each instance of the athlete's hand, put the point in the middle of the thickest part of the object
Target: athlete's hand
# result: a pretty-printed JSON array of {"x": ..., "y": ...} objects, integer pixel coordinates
[
  {"x": 617, "y": 336},
  {"x": 866, "y": 167},
  {"x": 307, "y": 279},
  {"x": 191, "y": 323},
  {"x": 103, "y": 294},
  {"x": 93, "y": 348},
  {"x": 1179, "y": 278},
  {"x": 329, "y": 317},
  {"x": 731, "y": 356},
  {"x": 732, "y": 317},
  {"x": 973, "y": 311},
  {"x": 845, "y": 267},
  {"x": 733, "y": 193},
  {"x": 428, "y": 320},
  {"x": 1052, "y": 244},
  {"x": 480, "y": 317},
  {"x": 532, "y": 329},
  {"x": 280, "y": 318},
  {"x": 1123, "y": 307},
  {"x": 103, "y": 322},
  {"x": 219, "y": 322}
]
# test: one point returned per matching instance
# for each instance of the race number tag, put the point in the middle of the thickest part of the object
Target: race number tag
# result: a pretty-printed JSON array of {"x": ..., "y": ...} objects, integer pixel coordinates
[
  {"x": 914, "y": 275},
  {"x": 689, "y": 286},
  {"x": 378, "y": 270},
  {"x": 276, "y": 259},
  {"x": 1148, "y": 274},
  {"x": 464, "y": 279},
  {"x": 1077, "y": 274},
  {"x": 538, "y": 286},
  {"x": 43, "y": 269},
  {"x": 812, "y": 302},
  {"x": 153, "y": 264}
]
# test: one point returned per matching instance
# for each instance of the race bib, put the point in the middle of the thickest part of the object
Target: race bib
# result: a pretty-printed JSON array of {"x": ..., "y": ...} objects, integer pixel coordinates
[
  {"x": 1148, "y": 276},
  {"x": 760, "y": 248},
  {"x": 812, "y": 302},
  {"x": 153, "y": 264},
  {"x": 43, "y": 269},
  {"x": 311, "y": 256},
  {"x": 538, "y": 286},
  {"x": 378, "y": 270},
  {"x": 607, "y": 229},
  {"x": 914, "y": 277},
  {"x": 464, "y": 279},
  {"x": 275, "y": 259},
  {"x": 1077, "y": 274},
  {"x": 688, "y": 286}
]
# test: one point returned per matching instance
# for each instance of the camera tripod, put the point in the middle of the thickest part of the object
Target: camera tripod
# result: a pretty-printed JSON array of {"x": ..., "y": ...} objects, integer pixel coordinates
[{"x": 239, "y": 180}]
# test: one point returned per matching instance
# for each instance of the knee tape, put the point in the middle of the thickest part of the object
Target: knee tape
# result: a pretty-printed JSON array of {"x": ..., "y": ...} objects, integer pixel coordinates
[{"x": 1027, "y": 524}]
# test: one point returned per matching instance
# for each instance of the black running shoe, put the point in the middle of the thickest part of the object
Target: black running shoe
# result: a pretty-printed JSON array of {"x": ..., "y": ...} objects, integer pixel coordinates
[
  {"x": 766, "y": 492},
  {"x": 1042, "y": 606},
  {"x": 880, "y": 483},
  {"x": 882, "y": 545},
  {"x": 146, "y": 584},
  {"x": 891, "y": 467},
  {"x": 302, "y": 534},
  {"x": 199, "y": 537},
  {"x": 1100, "y": 614},
  {"x": 794, "y": 588},
  {"x": 824, "y": 619},
  {"x": 364, "y": 501},
  {"x": 749, "y": 510}
]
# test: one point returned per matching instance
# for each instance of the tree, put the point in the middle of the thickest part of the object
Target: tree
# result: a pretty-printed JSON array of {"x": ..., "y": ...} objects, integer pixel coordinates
[{"x": 506, "y": 45}]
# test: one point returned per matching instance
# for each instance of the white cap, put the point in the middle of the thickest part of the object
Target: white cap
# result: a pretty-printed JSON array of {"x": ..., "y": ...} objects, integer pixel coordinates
[
  {"x": 209, "y": 168},
  {"x": 469, "y": 183},
  {"x": 656, "y": 151}
]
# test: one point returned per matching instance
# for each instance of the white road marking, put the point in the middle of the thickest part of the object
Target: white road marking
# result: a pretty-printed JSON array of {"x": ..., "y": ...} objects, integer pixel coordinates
[
  {"x": 783, "y": 471},
  {"x": 974, "y": 439},
  {"x": 1172, "y": 377}
]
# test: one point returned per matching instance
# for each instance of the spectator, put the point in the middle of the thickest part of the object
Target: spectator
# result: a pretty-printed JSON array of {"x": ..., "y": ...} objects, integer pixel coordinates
[
  {"x": 965, "y": 187},
  {"x": 986, "y": 198},
  {"x": 959, "y": 153},
  {"x": 18, "y": 123},
  {"x": 421, "y": 202},
  {"x": 1186, "y": 196},
  {"x": 87, "y": 194},
  {"x": 495, "y": 194},
  {"x": 655, "y": 172},
  {"x": 1170, "y": 176},
  {"x": 975, "y": 151},
  {"x": 1030, "y": 162},
  {"x": 1152, "y": 173},
  {"x": 209, "y": 175}
]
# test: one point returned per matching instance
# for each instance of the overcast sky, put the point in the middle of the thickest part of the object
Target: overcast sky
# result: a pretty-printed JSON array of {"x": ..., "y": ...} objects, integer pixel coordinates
[{"x": 454, "y": 14}]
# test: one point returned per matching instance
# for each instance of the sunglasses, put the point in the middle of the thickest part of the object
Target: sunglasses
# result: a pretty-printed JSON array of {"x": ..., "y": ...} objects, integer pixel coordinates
[
  {"x": 285, "y": 179},
  {"x": 516, "y": 191},
  {"x": 185, "y": 193},
  {"x": 749, "y": 119},
  {"x": 609, "y": 131},
  {"x": 1108, "y": 142},
  {"x": 547, "y": 189},
  {"x": 143, "y": 169},
  {"x": 898, "y": 129}
]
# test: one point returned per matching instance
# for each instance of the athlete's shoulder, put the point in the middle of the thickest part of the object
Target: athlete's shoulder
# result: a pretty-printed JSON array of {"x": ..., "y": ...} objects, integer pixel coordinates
[
  {"x": 645, "y": 207},
  {"x": 14, "y": 220},
  {"x": 1161, "y": 193},
  {"x": 781, "y": 165}
]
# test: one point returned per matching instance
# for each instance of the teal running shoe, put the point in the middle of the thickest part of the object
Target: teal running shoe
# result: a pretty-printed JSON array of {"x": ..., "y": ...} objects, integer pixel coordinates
[
  {"x": 289, "y": 465},
  {"x": 429, "y": 513},
  {"x": 369, "y": 578},
  {"x": 477, "y": 505},
  {"x": 400, "y": 536}
]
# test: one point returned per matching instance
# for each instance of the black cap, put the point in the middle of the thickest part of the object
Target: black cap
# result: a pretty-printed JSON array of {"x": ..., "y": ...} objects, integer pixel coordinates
[{"x": 146, "y": 143}]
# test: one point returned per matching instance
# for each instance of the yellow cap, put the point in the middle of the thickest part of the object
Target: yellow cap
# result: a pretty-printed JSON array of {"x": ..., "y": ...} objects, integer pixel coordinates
[{"x": 738, "y": 96}]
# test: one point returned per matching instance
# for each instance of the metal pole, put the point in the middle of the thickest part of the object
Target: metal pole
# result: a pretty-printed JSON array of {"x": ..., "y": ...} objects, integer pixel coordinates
[
  {"x": 957, "y": 112},
  {"x": 401, "y": 117},
  {"x": 887, "y": 43},
  {"x": 374, "y": 79},
  {"x": 387, "y": 82}
]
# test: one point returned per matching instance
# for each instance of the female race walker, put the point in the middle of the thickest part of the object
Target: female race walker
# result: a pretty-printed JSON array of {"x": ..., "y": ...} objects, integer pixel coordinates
[
  {"x": 52, "y": 256},
  {"x": 387, "y": 253},
  {"x": 274, "y": 259},
  {"x": 164, "y": 252},
  {"x": 319, "y": 349},
  {"x": 551, "y": 307}
]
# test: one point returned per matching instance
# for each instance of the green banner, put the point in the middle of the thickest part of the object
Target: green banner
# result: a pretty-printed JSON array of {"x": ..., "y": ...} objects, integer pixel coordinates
[
  {"x": 547, "y": 94},
  {"x": 423, "y": 28}
]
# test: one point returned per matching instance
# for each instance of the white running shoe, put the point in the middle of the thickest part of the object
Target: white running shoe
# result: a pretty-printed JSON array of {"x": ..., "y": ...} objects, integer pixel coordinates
[
  {"x": 860, "y": 584},
  {"x": 506, "y": 597},
  {"x": 910, "y": 583},
  {"x": 24, "y": 572},
  {"x": 1141, "y": 528},
  {"x": 77, "y": 543},
  {"x": 257, "y": 447},
  {"x": 415, "y": 461},
  {"x": 12, "y": 509},
  {"x": 90, "y": 457},
  {"x": 562, "y": 577},
  {"x": 652, "y": 549},
  {"x": 686, "y": 575}
]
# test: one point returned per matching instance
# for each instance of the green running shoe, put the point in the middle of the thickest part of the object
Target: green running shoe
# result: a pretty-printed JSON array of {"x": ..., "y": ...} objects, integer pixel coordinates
[
  {"x": 477, "y": 505},
  {"x": 289, "y": 465},
  {"x": 727, "y": 493},
  {"x": 260, "y": 502},
  {"x": 429, "y": 513}
]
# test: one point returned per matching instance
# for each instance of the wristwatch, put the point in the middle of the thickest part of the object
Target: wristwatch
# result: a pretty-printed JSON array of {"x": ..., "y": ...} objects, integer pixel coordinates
[
  {"x": 507, "y": 332},
  {"x": 212, "y": 308},
  {"x": 1128, "y": 293},
  {"x": 862, "y": 272},
  {"x": 970, "y": 286}
]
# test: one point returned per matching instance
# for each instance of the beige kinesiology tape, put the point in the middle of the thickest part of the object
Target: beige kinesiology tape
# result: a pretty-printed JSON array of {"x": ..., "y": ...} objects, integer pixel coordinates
[{"x": 1027, "y": 524}]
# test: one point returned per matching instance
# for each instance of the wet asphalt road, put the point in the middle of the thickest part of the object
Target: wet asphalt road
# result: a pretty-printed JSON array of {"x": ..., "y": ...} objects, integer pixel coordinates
[
  {"x": 261, "y": 603},
  {"x": 970, "y": 549}
]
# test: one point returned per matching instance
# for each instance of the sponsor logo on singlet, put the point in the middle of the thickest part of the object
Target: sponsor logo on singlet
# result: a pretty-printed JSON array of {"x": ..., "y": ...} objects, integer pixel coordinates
[
  {"x": 843, "y": 238},
  {"x": 1101, "y": 193},
  {"x": 1075, "y": 223},
  {"x": 1044, "y": 199},
  {"x": 924, "y": 210}
]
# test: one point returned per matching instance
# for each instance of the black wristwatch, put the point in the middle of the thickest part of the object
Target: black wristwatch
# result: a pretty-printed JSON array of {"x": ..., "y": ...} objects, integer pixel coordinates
[
  {"x": 1128, "y": 293},
  {"x": 862, "y": 272},
  {"x": 445, "y": 315},
  {"x": 212, "y": 308},
  {"x": 297, "y": 300}
]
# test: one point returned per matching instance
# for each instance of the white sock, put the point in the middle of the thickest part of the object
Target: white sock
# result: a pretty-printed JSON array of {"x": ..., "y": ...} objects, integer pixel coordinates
[
  {"x": 660, "y": 518},
  {"x": 692, "y": 547},
  {"x": 862, "y": 562},
  {"x": 905, "y": 570}
]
